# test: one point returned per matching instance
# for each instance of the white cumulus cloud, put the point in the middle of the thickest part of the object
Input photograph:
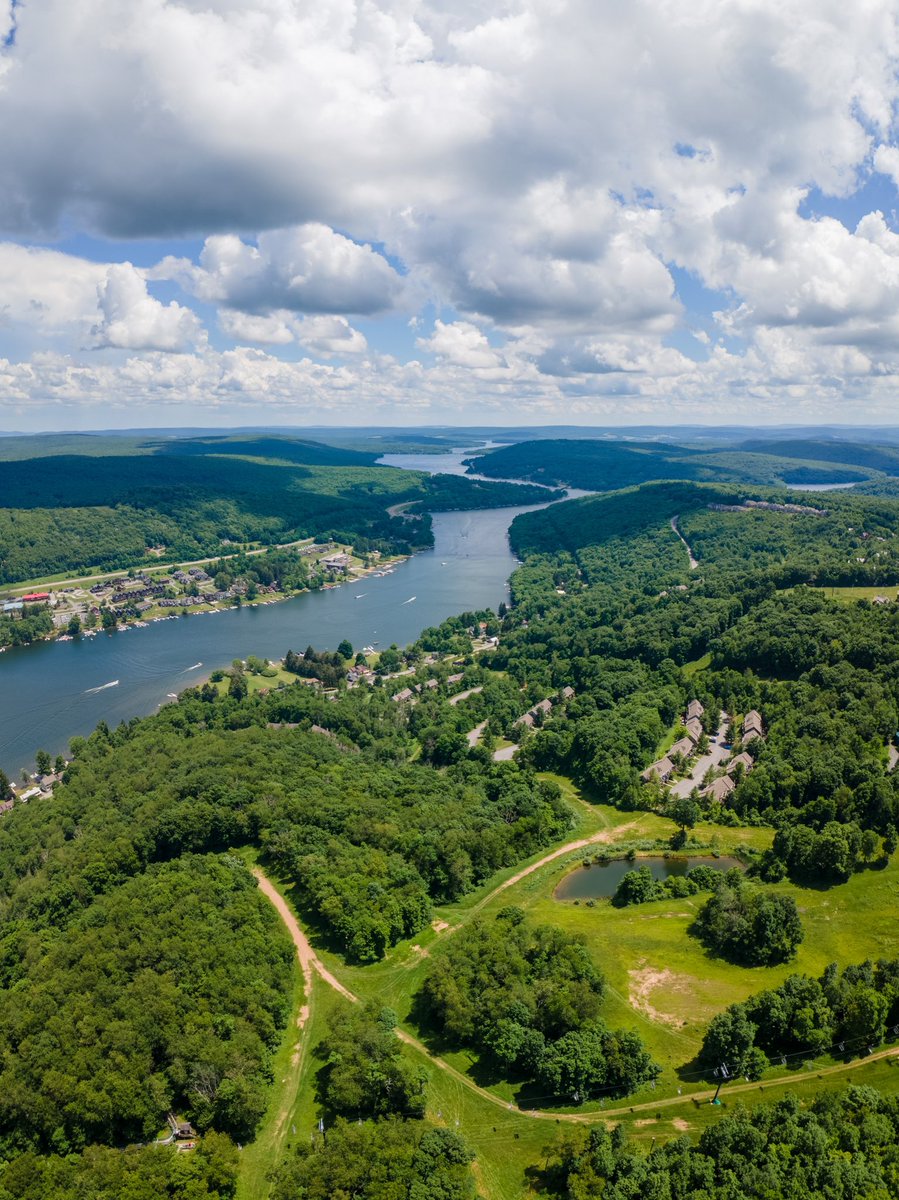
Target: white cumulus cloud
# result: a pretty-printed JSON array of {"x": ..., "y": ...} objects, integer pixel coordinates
[
  {"x": 309, "y": 268},
  {"x": 132, "y": 319},
  {"x": 563, "y": 177}
]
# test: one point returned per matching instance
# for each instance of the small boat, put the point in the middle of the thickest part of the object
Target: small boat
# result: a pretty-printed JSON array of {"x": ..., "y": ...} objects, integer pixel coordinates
[
  {"x": 409, "y": 601},
  {"x": 361, "y": 594},
  {"x": 102, "y": 687}
]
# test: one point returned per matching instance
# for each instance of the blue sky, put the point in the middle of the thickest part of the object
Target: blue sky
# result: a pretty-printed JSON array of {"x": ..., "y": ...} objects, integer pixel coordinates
[{"x": 403, "y": 212}]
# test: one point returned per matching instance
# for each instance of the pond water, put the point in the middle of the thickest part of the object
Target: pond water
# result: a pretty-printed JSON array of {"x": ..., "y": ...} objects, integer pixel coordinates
[{"x": 602, "y": 879}]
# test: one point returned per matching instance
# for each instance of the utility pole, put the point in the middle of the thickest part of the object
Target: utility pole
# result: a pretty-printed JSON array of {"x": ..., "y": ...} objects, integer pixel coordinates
[{"x": 723, "y": 1074}]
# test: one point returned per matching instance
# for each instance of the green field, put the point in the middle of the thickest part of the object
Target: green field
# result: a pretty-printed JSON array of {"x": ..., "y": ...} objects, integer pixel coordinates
[
  {"x": 660, "y": 981},
  {"x": 846, "y": 595}
]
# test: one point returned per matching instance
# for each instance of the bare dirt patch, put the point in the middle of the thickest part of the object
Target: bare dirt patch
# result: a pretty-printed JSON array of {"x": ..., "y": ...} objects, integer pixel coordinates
[
  {"x": 648, "y": 980},
  {"x": 681, "y": 1125},
  {"x": 439, "y": 926}
]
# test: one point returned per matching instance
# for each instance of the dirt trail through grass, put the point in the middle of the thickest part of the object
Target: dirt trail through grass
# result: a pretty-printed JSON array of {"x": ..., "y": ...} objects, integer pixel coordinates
[
  {"x": 603, "y": 837},
  {"x": 311, "y": 963}
]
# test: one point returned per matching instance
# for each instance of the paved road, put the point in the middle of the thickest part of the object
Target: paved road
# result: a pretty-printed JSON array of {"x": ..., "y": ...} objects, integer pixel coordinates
[
  {"x": 156, "y": 567},
  {"x": 717, "y": 754},
  {"x": 474, "y": 735}
]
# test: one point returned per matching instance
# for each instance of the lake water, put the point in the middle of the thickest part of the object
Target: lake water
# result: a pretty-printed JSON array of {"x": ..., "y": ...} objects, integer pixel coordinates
[
  {"x": 51, "y": 691},
  {"x": 602, "y": 879},
  {"x": 820, "y": 487}
]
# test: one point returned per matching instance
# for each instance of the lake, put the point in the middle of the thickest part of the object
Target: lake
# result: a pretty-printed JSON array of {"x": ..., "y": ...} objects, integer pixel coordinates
[
  {"x": 602, "y": 879},
  {"x": 51, "y": 691},
  {"x": 820, "y": 487}
]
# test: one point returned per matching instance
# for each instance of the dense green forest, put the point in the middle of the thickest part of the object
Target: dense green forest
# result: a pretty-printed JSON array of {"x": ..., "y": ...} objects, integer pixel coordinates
[
  {"x": 379, "y": 1160},
  {"x": 141, "y": 972},
  {"x": 841, "y": 1010},
  {"x": 138, "y": 1001},
  {"x": 103, "y": 1173},
  {"x": 843, "y": 1147},
  {"x": 847, "y": 540},
  {"x": 606, "y": 464},
  {"x": 877, "y": 456},
  {"x": 128, "y": 929},
  {"x": 528, "y": 999},
  {"x": 71, "y": 512}
]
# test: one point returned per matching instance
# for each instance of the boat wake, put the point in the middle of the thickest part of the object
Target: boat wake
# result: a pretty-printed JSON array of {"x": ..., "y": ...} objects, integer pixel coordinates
[
  {"x": 101, "y": 688},
  {"x": 194, "y": 667},
  {"x": 361, "y": 594},
  {"x": 409, "y": 601}
]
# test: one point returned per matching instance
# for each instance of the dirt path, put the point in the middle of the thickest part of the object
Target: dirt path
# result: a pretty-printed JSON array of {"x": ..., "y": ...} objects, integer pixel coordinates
[
  {"x": 309, "y": 960},
  {"x": 595, "y": 839},
  {"x": 693, "y": 563},
  {"x": 310, "y": 963}
]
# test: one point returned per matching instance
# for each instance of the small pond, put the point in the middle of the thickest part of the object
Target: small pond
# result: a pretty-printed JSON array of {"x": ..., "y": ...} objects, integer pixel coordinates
[{"x": 602, "y": 879}]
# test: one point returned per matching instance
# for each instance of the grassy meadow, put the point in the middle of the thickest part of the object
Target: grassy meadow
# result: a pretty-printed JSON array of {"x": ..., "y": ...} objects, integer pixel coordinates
[{"x": 660, "y": 982}]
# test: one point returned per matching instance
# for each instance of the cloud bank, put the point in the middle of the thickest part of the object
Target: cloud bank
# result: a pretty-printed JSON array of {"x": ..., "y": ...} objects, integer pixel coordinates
[{"x": 588, "y": 210}]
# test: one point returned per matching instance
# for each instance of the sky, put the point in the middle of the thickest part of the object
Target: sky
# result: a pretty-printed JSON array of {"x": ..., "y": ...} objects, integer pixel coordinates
[{"x": 235, "y": 212}]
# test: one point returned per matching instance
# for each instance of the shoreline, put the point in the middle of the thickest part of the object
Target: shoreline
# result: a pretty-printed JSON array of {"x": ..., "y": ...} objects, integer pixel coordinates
[{"x": 383, "y": 567}]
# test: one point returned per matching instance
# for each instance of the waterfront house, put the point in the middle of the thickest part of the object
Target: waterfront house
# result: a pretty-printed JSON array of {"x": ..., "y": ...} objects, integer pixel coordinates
[{"x": 336, "y": 562}]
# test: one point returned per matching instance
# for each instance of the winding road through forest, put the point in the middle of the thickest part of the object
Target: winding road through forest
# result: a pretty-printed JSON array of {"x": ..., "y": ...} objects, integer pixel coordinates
[
  {"x": 312, "y": 965},
  {"x": 693, "y": 562}
]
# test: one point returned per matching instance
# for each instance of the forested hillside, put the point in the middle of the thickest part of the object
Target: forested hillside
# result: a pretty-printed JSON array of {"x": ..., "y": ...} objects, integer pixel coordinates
[
  {"x": 838, "y": 540},
  {"x": 381, "y": 809},
  {"x": 72, "y": 512},
  {"x": 606, "y": 464}
]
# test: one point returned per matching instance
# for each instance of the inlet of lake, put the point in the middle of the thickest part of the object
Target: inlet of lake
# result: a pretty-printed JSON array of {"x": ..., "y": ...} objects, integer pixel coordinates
[
  {"x": 602, "y": 879},
  {"x": 52, "y": 691}
]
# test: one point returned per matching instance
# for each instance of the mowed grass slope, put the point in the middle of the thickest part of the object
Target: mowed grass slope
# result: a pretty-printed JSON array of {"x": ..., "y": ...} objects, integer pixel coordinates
[
  {"x": 661, "y": 982},
  {"x": 660, "y": 979}
]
